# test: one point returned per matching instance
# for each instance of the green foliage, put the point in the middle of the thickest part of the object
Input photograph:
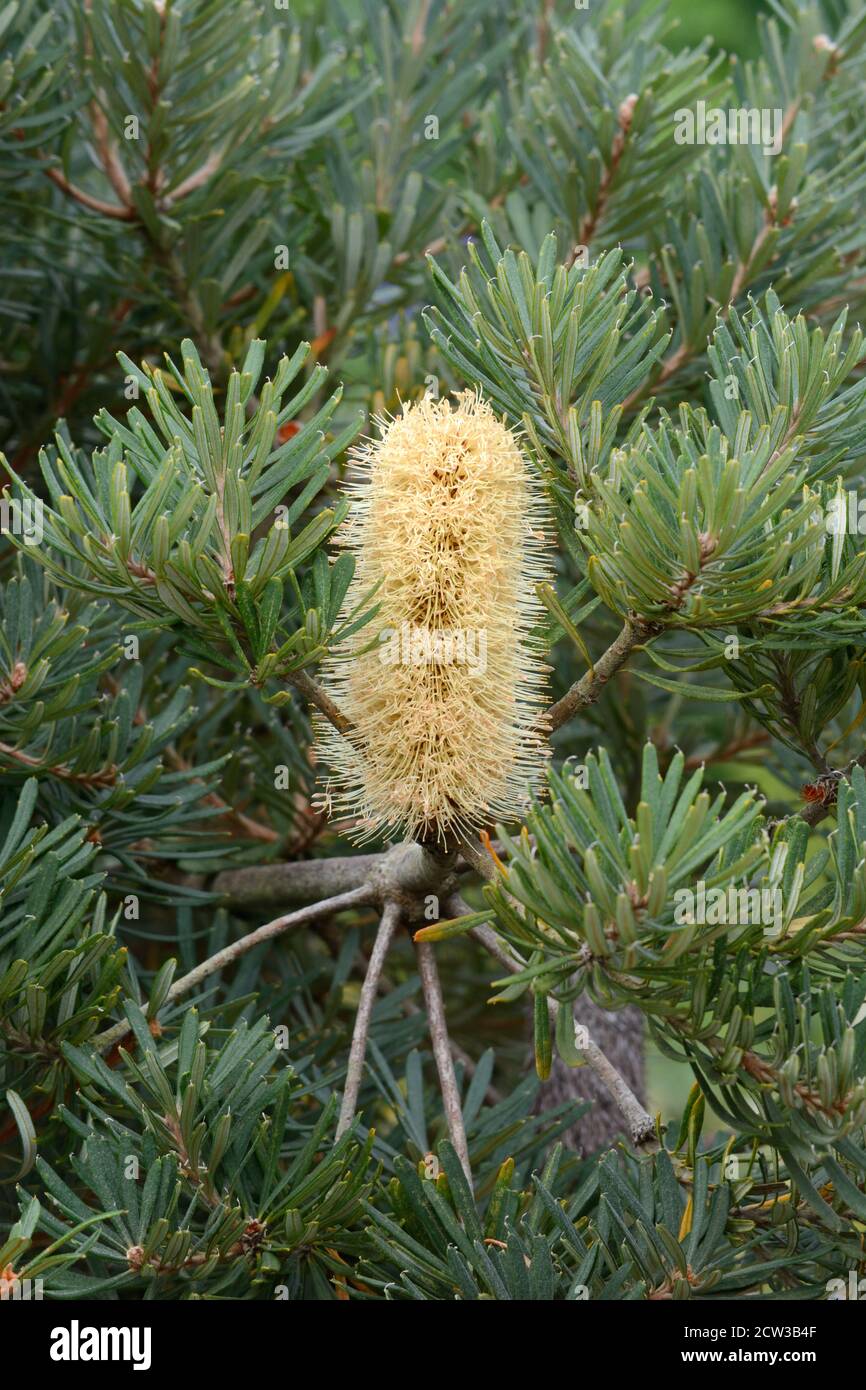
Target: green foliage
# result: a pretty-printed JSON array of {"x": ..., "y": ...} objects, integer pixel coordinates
[
  {"x": 560, "y": 347},
  {"x": 672, "y": 329},
  {"x": 184, "y": 555},
  {"x": 207, "y": 1129},
  {"x": 766, "y": 1005},
  {"x": 597, "y": 89},
  {"x": 61, "y": 970}
]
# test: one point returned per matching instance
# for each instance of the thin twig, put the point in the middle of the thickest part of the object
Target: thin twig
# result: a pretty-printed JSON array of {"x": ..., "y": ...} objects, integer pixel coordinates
[
  {"x": 323, "y": 703},
  {"x": 418, "y": 33},
  {"x": 590, "y": 223},
  {"x": 640, "y": 1122},
  {"x": 102, "y": 777},
  {"x": 195, "y": 180},
  {"x": 587, "y": 690},
  {"x": 257, "y": 830},
  {"x": 114, "y": 170},
  {"x": 542, "y": 29},
  {"x": 727, "y": 752},
  {"x": 411, "y": 1010},
  {"x": 470, "y": 1066},
  {"x": 442, "y": 1052},
  {"x": 486, "y": 937},
  {"x": 120, "y": 214},
  {"x": 358, "y": 1051},
  {"x": 357, "y": 897},
  {"x": 743, "y": 273}
]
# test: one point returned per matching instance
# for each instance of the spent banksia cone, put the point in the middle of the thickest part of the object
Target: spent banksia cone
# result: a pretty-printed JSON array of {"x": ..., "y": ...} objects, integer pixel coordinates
[{"x": 448, "y": 524}]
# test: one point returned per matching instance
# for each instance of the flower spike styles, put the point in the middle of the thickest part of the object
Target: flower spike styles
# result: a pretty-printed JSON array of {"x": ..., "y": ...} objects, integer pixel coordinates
[{"x": 448, "y": 526}]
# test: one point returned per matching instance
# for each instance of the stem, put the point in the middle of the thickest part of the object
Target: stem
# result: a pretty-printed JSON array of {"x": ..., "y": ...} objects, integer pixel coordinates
[
  {"x": 355, "y": 1070},
  {"x": 187, "y": 300},
  {"x": 103, "y": 777},
  {"x": 266, "y": 885},
  {"x": 195, "y": 180},
  {"x": 640, "y": 1122},
  {"x": 357, "y": 897},
  {"x": 120, "y": 214},
  {"x": 543, "y": 29},
  {"x": 323, "y": 703},
  {"x": 442, "y": 1053},
  {"x": 114, "y": 170},
  {"x": 257, "y": 830},
  {"x": 587, "y": 690},
  {"x": 590, "y": 223},
  {"x": 411, "y": 1010},
  {"x": 418, "y": 33}
]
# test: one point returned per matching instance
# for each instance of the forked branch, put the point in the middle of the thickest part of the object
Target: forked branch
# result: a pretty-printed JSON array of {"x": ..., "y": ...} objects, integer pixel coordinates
[
  {"x": 640, "y": 1123},
  {"x": 358, "y": 1051},
  {"x": 356, "y": 897},
  {"x": 432, "y": 988}
]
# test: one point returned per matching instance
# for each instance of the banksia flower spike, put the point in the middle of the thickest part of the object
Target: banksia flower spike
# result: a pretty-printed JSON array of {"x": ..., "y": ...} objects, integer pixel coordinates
[{"x": 448, "y": 524}]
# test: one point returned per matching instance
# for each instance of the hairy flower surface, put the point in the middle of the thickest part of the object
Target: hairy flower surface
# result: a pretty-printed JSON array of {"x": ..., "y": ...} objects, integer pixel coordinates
[{"x": 447, "y": 523}]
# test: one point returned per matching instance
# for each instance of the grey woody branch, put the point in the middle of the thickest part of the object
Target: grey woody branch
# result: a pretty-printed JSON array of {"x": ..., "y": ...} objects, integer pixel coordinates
[
  {"x": 442, "y": 1053},
  {"x": 274, "y": 885},
  {"x": 358, "y": 1050},
  {"x": 640, "y": 1123},
  {"x": 357, "y": 897}
]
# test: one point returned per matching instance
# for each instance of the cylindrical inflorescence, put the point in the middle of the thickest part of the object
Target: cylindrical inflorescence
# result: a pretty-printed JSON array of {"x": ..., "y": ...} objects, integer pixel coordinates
[{"x": 445, "y": 688}]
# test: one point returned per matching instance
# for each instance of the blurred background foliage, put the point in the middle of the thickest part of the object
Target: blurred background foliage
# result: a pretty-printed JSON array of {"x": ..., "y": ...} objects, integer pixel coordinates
[{"x": 731, "y": 23}]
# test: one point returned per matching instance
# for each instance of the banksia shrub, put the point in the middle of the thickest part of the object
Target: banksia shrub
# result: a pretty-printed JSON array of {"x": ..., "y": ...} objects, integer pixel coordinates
[
  {"x": 239, "y": 1059},
  {"x": 447, "y": 529}
]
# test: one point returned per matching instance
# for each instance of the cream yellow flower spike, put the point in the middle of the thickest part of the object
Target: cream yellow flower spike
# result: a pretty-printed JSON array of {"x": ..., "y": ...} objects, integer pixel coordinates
[{"x": 447, "y": 519}]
